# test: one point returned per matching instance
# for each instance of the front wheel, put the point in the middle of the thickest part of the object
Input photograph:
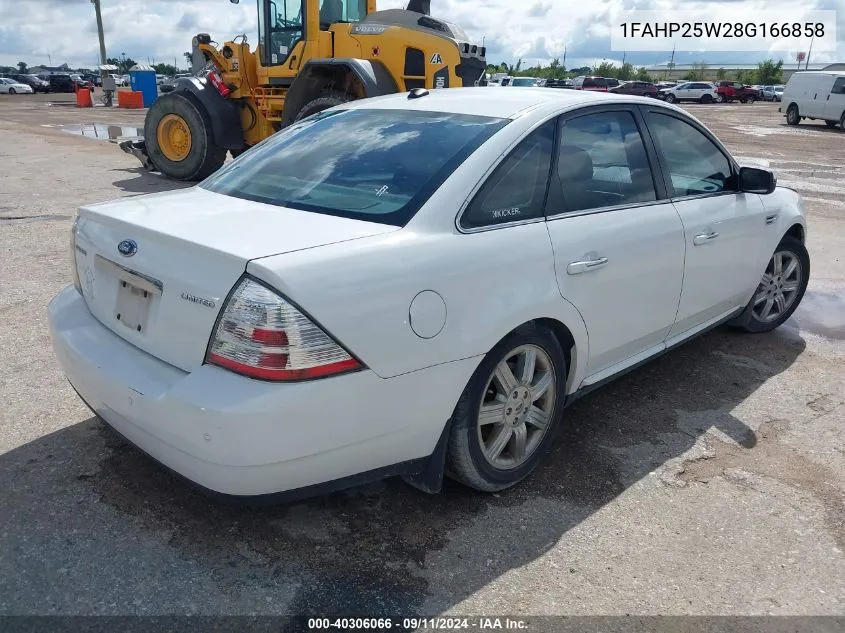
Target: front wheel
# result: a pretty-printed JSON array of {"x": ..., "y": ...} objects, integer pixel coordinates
[
  {"x": 792, "y": 116},
  {"x": 12, "y": 91},
  {"x": 325, "y": 101},
  {"x": 720, "y": 98},
  {"x": 780, "y": 289},
  {"x": 670, "y": 98},
  {"x": 179, "y": 139},
  {"x": 750, "y": 99},
  {"x": 504, "y": 422}
]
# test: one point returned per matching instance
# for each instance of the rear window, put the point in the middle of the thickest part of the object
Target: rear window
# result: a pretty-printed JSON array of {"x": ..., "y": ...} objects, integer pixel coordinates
[
  {"x": 374, "y": 165},
  {"x": 590, "y": 82}
]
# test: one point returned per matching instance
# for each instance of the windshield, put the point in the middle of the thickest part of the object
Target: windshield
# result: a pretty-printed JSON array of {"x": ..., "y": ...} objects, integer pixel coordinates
[
  {"x": 524, "y": 82},
  {"x": 374, "y": 165}
]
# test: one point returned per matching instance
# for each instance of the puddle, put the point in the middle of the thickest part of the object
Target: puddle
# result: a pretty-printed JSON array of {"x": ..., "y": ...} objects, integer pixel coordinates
[
  {"x": 104, "y": 131},
  {"x": 822, "y": 313}
]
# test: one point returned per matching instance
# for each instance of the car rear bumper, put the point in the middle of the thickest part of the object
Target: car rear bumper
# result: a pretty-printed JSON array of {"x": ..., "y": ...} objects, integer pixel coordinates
[{"x": 238, "y": 436}]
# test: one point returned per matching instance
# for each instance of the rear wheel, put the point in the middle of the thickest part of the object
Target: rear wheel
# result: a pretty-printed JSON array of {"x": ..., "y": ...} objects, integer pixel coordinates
[
  {"x": 325, "y": 101},
  {"x": 504, "y": 422},
  {"x": 842, "y": 122},
  {"x": 792, "y": 116},
  {"x": 830, "y": 124},
  {"x": 706, "y": 99},
  {"x": 179, "y": 139},
  {"x": 751, "y": 99},
  {"x": 780, "y": 289}
]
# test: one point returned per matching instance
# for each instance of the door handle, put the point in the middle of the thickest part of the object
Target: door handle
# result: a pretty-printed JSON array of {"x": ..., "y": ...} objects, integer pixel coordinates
[
  {"x": 576, "y": 268},
  {"x": 771, "y": 218},
  {"x": 698, "y": 240}
]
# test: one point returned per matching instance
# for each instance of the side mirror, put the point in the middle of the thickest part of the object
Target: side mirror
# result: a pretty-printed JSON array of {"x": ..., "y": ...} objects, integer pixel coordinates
[
  {"x": 756, "y": 180},
  {"x": 234, "y": 1}
]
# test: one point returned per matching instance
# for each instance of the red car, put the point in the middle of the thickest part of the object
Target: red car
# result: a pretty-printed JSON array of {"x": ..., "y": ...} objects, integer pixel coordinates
[
  {"x": 638, "y": 88},
  {"x": 728, "y": 91},
  {"x": 598, "y": 84}
]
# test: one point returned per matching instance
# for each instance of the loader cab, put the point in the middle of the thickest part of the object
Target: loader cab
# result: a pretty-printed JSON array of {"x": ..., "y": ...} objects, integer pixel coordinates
[{"x": 282, "y": 24}]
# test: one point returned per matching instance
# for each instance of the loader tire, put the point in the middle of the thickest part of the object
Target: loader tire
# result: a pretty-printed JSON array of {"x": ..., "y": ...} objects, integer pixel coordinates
[
  {"x": 324, "y": 101},
  {"x": 179, "y": 139}
]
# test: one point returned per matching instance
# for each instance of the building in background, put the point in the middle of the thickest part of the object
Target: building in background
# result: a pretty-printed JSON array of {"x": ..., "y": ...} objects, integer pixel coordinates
[{"x": 711, "y": 72}]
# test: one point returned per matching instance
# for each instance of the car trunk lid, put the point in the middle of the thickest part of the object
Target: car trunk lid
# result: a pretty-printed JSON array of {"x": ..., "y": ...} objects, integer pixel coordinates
[{"x": 157, "y": 269}]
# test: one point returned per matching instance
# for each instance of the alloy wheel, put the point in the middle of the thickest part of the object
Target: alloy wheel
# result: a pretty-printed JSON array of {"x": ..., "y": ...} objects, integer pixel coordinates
[
  {"x": 778, "y": 288},
  {"x": 517, "y": 407}
]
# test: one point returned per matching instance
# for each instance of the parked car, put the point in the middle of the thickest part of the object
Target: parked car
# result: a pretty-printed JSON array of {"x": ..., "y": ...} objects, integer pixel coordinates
[
  {"x": 664, "y": 85},
  {"x": 81, "y": 83},
  {"x": 10, "y": 86},
  {"x": 37, "y": 85},
  {"x": 772, "y": 93},
  {"x": 598, "y": 84},
  {"x": 253, "y": 333},
  {"x": 637, "y": 88},
  {"x": 815, "y": 95},
  {"x": 559, "y": 83},
  {"x": 506, "y": 81},
  {"x": 728, "y": 91},
  {"x": 700, "y": 91},
  {"x": 60, "y": 83}
]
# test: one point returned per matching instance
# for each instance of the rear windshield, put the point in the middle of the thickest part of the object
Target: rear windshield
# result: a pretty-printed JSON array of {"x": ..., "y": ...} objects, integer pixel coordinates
[
  {"x": 594, "y": 83},
  {"x": 374, "y": 165}
]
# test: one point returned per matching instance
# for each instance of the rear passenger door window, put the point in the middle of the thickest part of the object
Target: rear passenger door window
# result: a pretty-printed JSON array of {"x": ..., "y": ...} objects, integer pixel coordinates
[
  {"x": 838, "y": 86},
  {"x": 695, "y": 164},
  {"x": 516, "y": 190},
  {"x": 601, "y": 162}
]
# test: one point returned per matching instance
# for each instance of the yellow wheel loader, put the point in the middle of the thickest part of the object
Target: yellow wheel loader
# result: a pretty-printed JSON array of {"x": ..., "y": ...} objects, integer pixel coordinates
[{"x": 311, "y": 55}]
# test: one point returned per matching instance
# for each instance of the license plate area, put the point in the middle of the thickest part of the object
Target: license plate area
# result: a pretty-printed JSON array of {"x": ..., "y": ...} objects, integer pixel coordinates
[{"x": 135, "y": 295}]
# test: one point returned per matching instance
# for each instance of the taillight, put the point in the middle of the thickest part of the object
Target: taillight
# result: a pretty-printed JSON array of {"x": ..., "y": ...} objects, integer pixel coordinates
[
  {"x": 217, "y": 82},
  {"x": 262, "y": 335}
]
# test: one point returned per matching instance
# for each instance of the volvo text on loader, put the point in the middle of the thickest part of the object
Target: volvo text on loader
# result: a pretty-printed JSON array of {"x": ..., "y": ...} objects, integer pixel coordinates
[{"x": 311, "y": 55}]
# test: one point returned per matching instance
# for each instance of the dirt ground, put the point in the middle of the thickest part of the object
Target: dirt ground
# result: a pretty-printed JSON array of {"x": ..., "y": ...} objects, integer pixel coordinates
[{"x": 711, "y": 481}]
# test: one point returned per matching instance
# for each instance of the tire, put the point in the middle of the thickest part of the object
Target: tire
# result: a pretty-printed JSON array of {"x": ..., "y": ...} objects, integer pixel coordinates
[
  {"x": 12, "y": 91},
  {"x": 325, "y": 101},
  {"x": 706, "y": 99},
  {"x": 720, "y": 98},
  {"x": 792, "y": 116},
  {"x": 750, "y": 99},
  {"x": 842, "y": 122},
  {"x": 767, "y": 290},
  {"x": 831, "y": 124},
  {"x": 203, "y": 157},
  {"x": 670, "y": 98},
  {"x": 468, "y": 458}
]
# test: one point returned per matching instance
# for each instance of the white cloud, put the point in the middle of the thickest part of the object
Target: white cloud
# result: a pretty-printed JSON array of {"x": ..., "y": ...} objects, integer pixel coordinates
[{"x": 35, "y": 31}]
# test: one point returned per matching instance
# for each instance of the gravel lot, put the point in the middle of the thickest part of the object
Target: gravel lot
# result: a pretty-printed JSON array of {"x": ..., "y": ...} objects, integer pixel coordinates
[{"x": 711, "y": 481}]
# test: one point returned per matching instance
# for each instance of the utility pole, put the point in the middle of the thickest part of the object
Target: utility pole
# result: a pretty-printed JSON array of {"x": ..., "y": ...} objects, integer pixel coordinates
[
  {"x": 671, "y": 62},
  {"x": 102, "y": 37},
  {"x": 564, "y": 55},
  {"x": 807, "y": 65}
]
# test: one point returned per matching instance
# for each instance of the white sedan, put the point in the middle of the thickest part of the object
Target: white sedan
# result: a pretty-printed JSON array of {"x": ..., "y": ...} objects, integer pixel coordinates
[
  {"x": 10, "y": 87},
  {"x": 416, "y": 284}
]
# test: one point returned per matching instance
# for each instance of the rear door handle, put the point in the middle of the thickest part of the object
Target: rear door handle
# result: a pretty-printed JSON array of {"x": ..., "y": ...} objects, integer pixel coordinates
[
  {"x": 698, "y": 240},
  {"x": 771, "y": 218},
  {"x": 576, "y": 268}
]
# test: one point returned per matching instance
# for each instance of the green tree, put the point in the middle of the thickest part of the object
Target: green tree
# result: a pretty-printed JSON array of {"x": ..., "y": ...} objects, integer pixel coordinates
[
  {"x": 642, "y": 74},
  {"x": 742, "y": 76},
  {"x": 626, "y": 72},
  {"x": 166, "y": 69},
  {"x": 769, "y": 72},
  {"x": 605, "y": 69},
  {"x": 22, "y": 68},
  {"x": 721, "y": 73}
]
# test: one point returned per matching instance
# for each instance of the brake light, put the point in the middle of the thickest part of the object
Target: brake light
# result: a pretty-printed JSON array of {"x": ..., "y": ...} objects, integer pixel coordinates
[
  {"x": 217, "y": 82},
  {"x": 262, "y": 335}
]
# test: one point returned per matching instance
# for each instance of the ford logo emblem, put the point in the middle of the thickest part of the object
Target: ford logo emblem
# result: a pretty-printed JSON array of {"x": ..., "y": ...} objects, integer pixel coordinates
[{"x": 127, "y": 248}]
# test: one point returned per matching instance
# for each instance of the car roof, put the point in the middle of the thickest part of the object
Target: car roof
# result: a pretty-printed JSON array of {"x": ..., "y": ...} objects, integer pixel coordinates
[{"x": 506, "y": 105}]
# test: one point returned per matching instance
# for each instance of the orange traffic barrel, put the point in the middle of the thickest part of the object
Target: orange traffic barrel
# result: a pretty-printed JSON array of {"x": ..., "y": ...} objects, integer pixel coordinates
[{"x": 83, "y": 99}]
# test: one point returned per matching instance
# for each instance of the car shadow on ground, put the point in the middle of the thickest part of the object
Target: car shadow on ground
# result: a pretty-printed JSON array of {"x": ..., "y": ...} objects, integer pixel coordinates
[
  {"x": 372, "y": 550},
  {"x": 142, "y": 181}
]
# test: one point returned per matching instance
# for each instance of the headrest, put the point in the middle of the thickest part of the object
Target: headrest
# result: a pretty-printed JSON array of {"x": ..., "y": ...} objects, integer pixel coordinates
[{"x": 574, "y": 164}]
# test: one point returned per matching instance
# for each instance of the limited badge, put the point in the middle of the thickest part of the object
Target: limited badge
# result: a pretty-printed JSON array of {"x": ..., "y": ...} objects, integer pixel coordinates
[{"x": 436, "y": 59}]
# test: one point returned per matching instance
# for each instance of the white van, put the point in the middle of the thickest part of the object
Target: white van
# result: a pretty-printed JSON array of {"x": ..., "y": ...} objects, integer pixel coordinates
[{"x": 815, "y": 95}]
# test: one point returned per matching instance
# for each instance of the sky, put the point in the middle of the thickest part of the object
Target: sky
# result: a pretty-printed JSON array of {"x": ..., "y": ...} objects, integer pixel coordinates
[{"x": 41, "y": 31}]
